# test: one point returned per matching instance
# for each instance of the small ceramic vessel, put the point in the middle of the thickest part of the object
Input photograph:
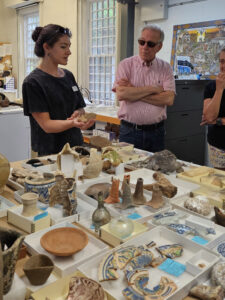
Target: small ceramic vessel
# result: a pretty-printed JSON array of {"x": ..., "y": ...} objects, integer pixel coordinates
[
  {"x": 29, "y": 201},
  {"x": 38, "y": 268}
]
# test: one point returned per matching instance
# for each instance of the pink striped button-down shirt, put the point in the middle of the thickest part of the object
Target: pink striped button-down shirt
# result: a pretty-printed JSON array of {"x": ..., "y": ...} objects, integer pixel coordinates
[{"x": 158, "y": 73}]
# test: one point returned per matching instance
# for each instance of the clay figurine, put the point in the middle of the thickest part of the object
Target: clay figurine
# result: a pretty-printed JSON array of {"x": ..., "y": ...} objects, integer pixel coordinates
[{"x": 63, "y": 192}]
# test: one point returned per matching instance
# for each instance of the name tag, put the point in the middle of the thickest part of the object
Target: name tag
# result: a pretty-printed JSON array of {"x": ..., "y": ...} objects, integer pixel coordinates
[{"x": 75, "y": 88}]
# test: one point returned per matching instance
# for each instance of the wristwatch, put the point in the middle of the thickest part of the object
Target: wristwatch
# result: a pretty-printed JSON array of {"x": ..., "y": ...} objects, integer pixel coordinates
[{"x": 219, "y": 122}]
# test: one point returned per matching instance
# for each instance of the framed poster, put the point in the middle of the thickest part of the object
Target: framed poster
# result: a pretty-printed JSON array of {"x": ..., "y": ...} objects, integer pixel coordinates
[{"x": 195, "y": 49}]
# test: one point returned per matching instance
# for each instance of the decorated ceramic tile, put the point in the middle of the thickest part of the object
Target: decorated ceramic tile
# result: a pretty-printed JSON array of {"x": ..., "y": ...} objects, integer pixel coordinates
[
  {"x": 171, "y": 251},
  {"x": 107, "y": 268},
  {"x": 124, "y": 255},
  {"x": 221, "y": 249}
]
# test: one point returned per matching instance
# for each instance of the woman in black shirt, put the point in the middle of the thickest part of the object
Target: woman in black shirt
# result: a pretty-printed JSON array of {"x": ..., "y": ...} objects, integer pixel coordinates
[
  {"x": 214, "y": 116},
  {"x": 51, "y": 96}
]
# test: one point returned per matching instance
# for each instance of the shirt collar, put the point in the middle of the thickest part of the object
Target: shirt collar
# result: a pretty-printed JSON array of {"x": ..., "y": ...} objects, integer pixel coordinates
[{"x": 144, "y": 64}]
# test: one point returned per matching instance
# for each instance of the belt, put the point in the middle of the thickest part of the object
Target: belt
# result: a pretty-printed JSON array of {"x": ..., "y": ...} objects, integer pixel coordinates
[{"x": 142, "y": 127}]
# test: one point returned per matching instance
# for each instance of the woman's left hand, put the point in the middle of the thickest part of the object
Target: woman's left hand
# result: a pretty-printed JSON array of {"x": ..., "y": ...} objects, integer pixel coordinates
[{"x": 82, "y": 125}]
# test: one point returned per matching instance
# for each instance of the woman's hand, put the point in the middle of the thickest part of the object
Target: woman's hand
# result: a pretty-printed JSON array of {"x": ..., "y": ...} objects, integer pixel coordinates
[
  {"x": 82, "y": 125},
  {"x": 77, "y": 113}
]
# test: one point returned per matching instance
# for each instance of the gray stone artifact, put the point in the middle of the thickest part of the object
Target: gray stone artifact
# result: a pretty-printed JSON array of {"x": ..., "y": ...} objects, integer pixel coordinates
[
  {"x": 11, "y": 242},
  {"x": 127, "y": 200}
]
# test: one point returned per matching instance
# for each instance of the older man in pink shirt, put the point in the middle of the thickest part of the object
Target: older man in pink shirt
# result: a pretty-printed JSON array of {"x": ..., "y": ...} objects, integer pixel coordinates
[{"x": 145, "y": 86}]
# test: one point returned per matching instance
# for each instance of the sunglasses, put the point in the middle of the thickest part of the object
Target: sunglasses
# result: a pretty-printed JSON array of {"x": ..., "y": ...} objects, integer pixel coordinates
[
  {"x": 149, "y": 43},
  {"x": 64, "y": 31}
]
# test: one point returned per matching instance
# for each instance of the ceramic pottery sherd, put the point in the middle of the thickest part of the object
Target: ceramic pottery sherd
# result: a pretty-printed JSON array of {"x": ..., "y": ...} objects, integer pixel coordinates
[
  {"x": 63, "y": 157},
  {"x": 4, "y": 171},
  {"x": 38, "y": 268},
  {"x": 137, "y": 280},
  {"x": 13, "y": 240},
  {"x": 83, "y": 288},
  {"x": 95, "y": 164},
  {"x": 125, "y": 254},
  {"x": 182, "y": 229},
  {"x": 114, "y": 192},
  {"x": 163, "y": 290},
  {"x": 157, "y": 200},
  {"x": 138, "y": 196},
  {"x": 141, "y": 261},
  {"x": 64, "y": 193},
  {"x": 158, "y": 261},
  {"x": 107, "y": 268},
  {"x": 94, "y": 190},
  {"x": 171, "y": 251}
]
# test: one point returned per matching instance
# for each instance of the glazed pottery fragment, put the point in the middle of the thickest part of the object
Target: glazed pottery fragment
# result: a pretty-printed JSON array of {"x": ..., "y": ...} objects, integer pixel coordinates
[
  {"x": 171, "y": 251},
  {"x": 83, "y": 288},
  {"x": 107, "y": 268}
]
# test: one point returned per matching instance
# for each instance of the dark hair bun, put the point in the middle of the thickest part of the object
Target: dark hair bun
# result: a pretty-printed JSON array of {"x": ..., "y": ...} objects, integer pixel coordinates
[{"x": 36, "y": 33}]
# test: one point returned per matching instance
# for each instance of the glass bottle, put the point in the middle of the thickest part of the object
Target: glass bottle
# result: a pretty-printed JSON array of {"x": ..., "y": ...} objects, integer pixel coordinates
[{"x": 101, "y": 215}]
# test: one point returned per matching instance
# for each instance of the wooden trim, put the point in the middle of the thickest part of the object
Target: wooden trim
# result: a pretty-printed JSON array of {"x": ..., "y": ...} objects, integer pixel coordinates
[{"x": 107, "y": 119}]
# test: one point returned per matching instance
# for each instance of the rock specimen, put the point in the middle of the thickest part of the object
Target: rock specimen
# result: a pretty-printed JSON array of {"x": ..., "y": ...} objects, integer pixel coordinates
[
  {"x": 218, "y": 274},
  {"x": 138, "y": 196},
  {"x": 205, "y": 292},
  {"x": 198, "y": 205},
  {"x": 168, "y": 189},
  {"x": 87, "y": 117},
  {"x": 163, "y": 161},
  {"x": 99, "y": 142}
]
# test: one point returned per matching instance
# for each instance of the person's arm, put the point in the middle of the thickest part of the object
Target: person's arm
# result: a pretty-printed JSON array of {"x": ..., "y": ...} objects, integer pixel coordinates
[
  {"x": 161, "y": 99},
  {"x": 211, "y": 106},
  {"x": 56, "y": 126}
]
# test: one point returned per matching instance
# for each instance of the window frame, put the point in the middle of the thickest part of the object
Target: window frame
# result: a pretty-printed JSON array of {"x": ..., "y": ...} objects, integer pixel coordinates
[{"x": 21, "y": 15}]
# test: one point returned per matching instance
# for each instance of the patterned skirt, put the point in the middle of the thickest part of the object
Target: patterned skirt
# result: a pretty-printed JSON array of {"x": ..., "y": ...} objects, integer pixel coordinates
[{"x": 216, "y": 157}]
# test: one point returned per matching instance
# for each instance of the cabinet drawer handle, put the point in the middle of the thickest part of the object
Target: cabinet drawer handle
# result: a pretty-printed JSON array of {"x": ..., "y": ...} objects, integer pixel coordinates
[{"x": 184, "y": 115}]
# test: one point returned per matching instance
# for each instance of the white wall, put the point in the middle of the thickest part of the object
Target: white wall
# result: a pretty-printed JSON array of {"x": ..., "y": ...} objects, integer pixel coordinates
[{"x": 183, "y": 14}]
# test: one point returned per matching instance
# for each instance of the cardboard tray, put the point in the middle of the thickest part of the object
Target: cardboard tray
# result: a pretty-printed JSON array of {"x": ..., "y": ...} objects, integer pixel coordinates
[
  {"x": 197, "y": 179},
  {"x": 183, "y": 187},
  {"x": 211, "y": 238},
  {"x": 4, "y": 205},
  {"x": 193, "y": 254},
  {"x": 57, "y": 290},
  {"x": 140, "y": 213},
  {"x": 56, "y": 213},
  {"x": 65, "y": 265}
]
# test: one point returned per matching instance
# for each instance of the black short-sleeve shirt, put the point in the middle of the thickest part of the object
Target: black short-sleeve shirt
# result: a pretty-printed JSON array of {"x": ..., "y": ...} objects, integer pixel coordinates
[
  {"x": 60, "y": 97},
  {"x": 216, "y": 134}
]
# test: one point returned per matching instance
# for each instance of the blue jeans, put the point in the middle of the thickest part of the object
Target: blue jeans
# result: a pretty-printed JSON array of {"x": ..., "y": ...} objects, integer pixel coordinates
[{"x": 149, "y": 140}]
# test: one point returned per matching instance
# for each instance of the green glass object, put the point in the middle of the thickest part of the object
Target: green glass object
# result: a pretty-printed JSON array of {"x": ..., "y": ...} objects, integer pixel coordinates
[
  {"x": 121, "y": 227},
  {"x": 100, "y": 216}
]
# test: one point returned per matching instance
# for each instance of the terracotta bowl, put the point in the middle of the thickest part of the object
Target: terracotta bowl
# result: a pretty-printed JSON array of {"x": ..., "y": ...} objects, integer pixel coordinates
[
  {"x": 38, "y": 268},
  {"x": 64, "y": 241}
]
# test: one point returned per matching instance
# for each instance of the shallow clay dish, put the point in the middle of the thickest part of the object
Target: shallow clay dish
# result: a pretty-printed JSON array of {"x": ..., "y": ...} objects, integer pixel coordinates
[{"x": 64, "y": 241}]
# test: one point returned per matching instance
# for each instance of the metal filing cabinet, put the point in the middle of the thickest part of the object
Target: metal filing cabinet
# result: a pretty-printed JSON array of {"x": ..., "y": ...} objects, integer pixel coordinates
[{"x": 184, "y": 135}]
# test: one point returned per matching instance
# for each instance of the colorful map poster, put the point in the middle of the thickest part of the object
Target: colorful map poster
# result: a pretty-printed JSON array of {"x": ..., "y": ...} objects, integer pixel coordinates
[{"x": 196, "y": 47}]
